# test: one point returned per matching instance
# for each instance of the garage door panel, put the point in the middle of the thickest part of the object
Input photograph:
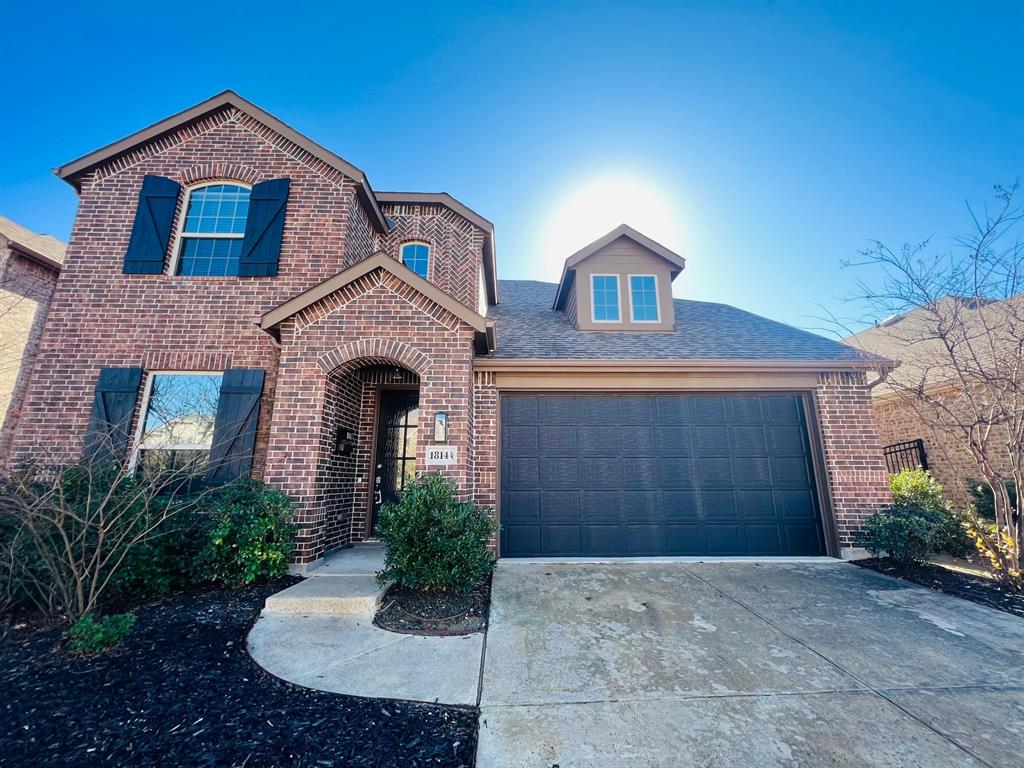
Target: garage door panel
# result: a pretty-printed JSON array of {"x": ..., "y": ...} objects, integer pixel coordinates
[
  {"x": 520, "y": 472},
  {"x": 670, "y": 409},
  {"x": 762, "y": 539},
  {"x": 559, "y": 473},
  {"x": 560, "y": 506},
  {"x": 681, "y": 506},
  {"x": 803, "y": 539},
  {"x": 751, "y": 471},
  {"x": 646, "y": 539},
  {"x": 601, "y": 506},
  {"x": 557, "y": 409},
  {"x": 600, "y": 473},
  {"x": 685, "y": 540},
  {"x": 520, "y": 506},
  {"x": 562, "y": 540},
  {"x": 604, "y": 539},
  {"x": 748, "y": 441},
  {"x": 640, "y": 472},
  {"x": 711, "y": 440},
  {"x": 717, "y": 505},
  {"x": 522, "y": 441},
  {"x": 588, "y": 474},
  {"x": 674, "y": 440},
  {"x": 789, "y": 472}
]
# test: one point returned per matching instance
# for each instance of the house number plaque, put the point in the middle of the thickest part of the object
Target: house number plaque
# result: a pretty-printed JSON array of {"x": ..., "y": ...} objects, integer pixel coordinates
[{"x": 441, "y": 455}]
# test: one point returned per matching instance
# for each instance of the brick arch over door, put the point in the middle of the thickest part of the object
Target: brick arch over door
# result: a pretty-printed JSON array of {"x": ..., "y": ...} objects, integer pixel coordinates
[{"x": 374, "y": 350}]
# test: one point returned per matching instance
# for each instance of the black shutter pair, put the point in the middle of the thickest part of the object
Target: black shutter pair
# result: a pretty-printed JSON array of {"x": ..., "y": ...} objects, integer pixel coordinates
[
  {"x": 154, "y": 217},
  {"x": 234, "y": 431}
]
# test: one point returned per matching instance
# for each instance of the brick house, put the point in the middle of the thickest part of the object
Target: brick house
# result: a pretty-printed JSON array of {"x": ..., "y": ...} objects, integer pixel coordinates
[
  {"x": 236, "y": 295},
  {"x": 29, "y": 266},
  {"x": 914, "y": 432}
]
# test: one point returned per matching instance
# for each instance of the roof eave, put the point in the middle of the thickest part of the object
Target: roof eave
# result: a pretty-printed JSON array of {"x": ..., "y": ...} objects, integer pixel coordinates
[{"x": 724, "y": 364}]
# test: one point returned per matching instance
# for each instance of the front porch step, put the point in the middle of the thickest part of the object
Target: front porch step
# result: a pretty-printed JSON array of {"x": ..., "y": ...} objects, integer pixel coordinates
[{"x": 328, "y": 595}]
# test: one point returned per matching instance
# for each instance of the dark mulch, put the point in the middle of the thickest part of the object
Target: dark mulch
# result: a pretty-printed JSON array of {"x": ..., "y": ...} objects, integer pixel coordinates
[
  {"x": 434, "y": 613},
  {"x": 977, "y": 589},
  {"x": 182, "y": 691}
]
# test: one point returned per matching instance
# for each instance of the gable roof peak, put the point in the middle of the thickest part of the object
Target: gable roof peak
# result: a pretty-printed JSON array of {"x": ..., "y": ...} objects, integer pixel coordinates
[
  {"x": 72, "y": 172},
  {"x": 623, "y": 230}
]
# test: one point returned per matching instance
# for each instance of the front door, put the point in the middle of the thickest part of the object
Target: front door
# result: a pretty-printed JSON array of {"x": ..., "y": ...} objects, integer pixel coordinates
[{"x": 395, "y": 462}]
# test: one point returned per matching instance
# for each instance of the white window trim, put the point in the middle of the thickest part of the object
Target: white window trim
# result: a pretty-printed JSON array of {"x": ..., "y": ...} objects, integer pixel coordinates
[
  {"x": 180, "y": 234},
  {"x": 618, "y": 297},
  {"x": 430, "y": 256},
  {"x": 657, "y": 299},
  {"x": 147, "y": 390}
]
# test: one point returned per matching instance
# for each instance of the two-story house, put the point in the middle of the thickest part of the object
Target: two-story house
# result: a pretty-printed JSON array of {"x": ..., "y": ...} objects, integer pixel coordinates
[{"x": 237, "y": 296}]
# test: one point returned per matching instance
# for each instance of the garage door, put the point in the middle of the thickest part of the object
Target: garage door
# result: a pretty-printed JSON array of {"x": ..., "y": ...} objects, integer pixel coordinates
[{"x": 629, "y": 475}]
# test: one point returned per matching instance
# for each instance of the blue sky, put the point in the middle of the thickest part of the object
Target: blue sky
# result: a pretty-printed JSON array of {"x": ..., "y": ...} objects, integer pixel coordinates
[{"x": 765, "y": 142}]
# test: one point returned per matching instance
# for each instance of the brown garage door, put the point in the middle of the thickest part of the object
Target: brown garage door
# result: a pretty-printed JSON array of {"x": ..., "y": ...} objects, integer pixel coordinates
[{"x": 630, "y": 475}]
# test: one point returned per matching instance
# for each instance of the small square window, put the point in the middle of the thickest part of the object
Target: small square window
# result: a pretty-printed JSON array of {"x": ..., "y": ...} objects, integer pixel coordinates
[
  {"x": 643, "y": 298},
  {"x": 605, "y": 297}
]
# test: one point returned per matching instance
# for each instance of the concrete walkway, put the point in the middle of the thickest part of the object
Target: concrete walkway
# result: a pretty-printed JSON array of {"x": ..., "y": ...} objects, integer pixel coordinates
[
  {"x": 319, "y": 634},
  {"x": 725, "y": 664}
]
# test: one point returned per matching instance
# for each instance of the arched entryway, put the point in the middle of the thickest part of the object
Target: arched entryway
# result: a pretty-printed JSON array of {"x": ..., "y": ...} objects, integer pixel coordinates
[{"x": 371, "y": 419}]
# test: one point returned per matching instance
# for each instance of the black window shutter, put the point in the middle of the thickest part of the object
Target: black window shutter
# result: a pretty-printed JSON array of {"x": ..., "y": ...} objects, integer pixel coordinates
[
  {"x": 151, "y": 232},
  {"x": 264, "y": 228},
  {"x": 234, "y": 431},
  {"x": 113, "y": 405}
]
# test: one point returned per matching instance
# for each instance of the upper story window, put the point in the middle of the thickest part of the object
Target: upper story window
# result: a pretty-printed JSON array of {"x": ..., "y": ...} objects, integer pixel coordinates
[
  {"x": 416, "y": 256},
  {"x": 643, "y": 298},
  {"x": 605, "y": 298},
  {"x": 180, "y": 410},
  {"x": 212, "y": 230}
]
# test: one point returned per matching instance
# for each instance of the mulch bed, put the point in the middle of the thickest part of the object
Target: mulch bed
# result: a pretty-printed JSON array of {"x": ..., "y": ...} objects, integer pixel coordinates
[
  {"x": 182, "y": 690},
  {"x": 977, "y": 589},
  {"x": 412, "y": 612}
]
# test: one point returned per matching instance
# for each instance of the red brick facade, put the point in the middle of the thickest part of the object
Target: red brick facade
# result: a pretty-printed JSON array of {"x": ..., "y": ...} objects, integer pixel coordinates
[
  {"x": 325, "y": 368},
  {"x": 857, "y": 476}
]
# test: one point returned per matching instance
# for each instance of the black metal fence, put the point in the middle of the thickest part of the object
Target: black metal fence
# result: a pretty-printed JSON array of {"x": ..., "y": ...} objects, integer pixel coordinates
[{"x": 908, "y": 455}]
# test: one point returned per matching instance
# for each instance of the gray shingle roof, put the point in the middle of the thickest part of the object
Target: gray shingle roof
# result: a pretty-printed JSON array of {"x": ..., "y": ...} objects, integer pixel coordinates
[{"x": 528, "y": 328}]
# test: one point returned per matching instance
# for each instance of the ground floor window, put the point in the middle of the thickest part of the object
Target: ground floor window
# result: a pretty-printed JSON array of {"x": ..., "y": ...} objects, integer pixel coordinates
[{"x": 179, "y": 411}]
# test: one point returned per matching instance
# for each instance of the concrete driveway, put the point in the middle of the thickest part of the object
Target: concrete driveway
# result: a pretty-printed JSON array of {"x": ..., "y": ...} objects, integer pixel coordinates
[{"x": 743, "y": 664}]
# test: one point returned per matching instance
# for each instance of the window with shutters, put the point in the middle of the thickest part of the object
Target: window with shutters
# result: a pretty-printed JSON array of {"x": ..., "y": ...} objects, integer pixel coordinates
[
  {"x": 179, "y": 411},
  {"x": 212, "y": 230},
  {"x": 416, "y": 256}
]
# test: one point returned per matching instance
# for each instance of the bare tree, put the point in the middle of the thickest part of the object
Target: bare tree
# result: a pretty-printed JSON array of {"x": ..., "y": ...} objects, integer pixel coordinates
[{"x": 957, "y": 318}]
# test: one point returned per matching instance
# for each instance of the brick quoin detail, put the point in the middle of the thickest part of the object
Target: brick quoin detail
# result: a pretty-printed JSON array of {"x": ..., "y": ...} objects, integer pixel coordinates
[{"x": 853, "y": 454}]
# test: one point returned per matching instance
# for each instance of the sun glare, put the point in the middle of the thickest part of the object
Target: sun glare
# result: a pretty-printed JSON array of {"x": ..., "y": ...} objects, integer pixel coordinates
[{"x": 599, "y": 204}]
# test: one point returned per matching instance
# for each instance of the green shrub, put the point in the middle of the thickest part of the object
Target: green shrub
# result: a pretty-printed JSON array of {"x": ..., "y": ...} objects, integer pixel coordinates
[
  {"x": 90, "y": 635},
  {"x": 916, "y": 488},
  {"x": 249, "y": 536},
  {"x": 433, "y": 541},
  {"x": 166, "y": 561},
  {"x": 982, "y": 498},
  {"x": 906, "y": 534}
]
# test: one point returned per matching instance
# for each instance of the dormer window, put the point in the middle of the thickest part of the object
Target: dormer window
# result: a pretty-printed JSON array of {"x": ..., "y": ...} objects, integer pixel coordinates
[
  {"x": 605, "y": 298},
  {"x": 416, "y": 256},
  {"x": 643, "y": 298}
]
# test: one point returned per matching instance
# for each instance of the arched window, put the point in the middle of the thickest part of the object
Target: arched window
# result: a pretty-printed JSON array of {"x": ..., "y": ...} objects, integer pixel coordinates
[
  {"x": 212, "y": 230},
  {"x": 416, "y": 256}
]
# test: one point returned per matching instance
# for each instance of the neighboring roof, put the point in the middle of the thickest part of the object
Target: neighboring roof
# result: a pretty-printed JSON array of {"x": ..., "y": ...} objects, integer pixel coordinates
[
  {"x": 379, "y": 260},
  {"x": 529, "y": 329},
  {"x": 443, "y": 198},
  {"x": 623, "y": 230},
  {"x": 44, "y": 249},
  {"x": 913, "y": 339},
  {"x": 72, "y": 171}
]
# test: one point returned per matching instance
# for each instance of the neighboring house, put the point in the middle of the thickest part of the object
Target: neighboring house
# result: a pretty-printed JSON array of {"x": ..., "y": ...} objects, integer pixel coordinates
[
  {"x": 352, "y": 338},
  {"x": 29, "y": 267},
  {"x": 912, "y": 433}
]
